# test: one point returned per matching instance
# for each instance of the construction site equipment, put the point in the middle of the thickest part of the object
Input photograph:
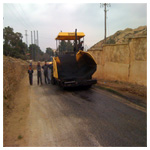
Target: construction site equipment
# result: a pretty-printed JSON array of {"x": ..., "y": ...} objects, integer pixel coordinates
[{"x": 73, "y": 68}]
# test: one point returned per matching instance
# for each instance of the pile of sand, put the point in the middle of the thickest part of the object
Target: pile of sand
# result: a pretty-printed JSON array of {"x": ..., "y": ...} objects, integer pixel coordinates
[
  {"x": 122, "y": 36},
  {"x": 13, "y": 71}
]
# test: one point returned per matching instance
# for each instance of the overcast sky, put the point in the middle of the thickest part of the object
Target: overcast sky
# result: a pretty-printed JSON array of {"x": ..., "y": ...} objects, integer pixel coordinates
[{"x": 51, "y": 18}]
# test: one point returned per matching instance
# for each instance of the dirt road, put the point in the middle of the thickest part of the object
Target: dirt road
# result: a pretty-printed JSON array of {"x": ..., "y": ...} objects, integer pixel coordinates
[{"x": 90, "y": 117}]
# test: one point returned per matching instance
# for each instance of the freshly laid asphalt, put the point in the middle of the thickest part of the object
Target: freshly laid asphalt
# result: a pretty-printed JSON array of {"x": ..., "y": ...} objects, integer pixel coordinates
[{"x": 83, "y": 117}]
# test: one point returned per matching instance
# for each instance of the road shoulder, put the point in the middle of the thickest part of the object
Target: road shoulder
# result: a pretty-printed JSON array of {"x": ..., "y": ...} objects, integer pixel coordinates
[
  {"x": 15, "y": 121},
  {"x": 133, "y": 93}
]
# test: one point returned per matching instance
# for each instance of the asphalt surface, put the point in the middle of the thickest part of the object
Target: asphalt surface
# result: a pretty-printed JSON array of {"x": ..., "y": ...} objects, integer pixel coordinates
[{"x": 83, "y": 117}]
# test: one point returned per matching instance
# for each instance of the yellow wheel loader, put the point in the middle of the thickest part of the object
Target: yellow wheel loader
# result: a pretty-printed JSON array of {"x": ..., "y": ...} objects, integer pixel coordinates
[{"x": 72, "y": 69}]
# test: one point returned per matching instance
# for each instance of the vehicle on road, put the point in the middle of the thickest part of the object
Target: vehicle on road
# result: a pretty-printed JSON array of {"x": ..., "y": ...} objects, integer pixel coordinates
[{"x": 72, "y": 69}]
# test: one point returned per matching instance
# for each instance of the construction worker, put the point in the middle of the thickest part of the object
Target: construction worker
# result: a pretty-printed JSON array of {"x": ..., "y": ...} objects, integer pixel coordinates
[
  {"x": 80, "y": 46},
  {"x": 50, "y": 67},
  {"x": 45, "y": 68},
  {"x": 30, "y": 72},
  {"x": 39, "y": 74}
]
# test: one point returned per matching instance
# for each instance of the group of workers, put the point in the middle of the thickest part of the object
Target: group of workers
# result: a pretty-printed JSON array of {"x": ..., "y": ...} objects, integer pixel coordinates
[{"x": 46, "y": 70}]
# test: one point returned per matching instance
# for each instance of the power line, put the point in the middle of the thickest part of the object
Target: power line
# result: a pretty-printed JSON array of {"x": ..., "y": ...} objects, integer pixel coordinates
[
  {"x": 14, "y": 15},
  {"x": 33, "y": 26},
  {"x": 20, "y": 16}
]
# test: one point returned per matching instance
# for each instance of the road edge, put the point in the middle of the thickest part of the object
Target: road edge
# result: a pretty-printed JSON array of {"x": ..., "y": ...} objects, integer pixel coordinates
[{"x": 122, "y": 95}]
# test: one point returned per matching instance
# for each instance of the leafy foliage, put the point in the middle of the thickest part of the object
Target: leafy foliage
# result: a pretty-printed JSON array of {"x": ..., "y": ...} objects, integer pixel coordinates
[
  {"x": 13, "y": 45},
  {"x": 65, "y": 46},
  {"x": 49, "y": 51},
  {"x": 35, "y": 52}
]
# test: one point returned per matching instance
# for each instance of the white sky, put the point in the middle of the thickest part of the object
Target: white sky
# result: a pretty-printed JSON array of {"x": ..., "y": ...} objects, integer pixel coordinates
[{"x": 50, "y": 18}]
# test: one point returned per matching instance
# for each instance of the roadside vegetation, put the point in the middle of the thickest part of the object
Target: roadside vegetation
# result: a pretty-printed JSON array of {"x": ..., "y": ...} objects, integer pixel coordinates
[{"x": 14, "y": 46}]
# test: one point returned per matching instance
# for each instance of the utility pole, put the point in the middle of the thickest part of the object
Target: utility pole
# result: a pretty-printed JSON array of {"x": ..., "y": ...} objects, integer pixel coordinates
[
  {"x": 32, "y": 44},
  {"x": 37, "y": 39},
  {"x": 34, "y": 38},
  {"x": 105, "y": 10},
  {"x": 34, "y": 50},
  {"x": 37, "y": 44},
  {"x": 31, "y": 38},
  {"x": 26, "y": 37}
]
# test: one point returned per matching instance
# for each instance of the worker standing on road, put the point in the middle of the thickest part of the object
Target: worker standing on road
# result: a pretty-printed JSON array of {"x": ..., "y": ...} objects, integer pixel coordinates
[
  {"x": 30, "y": 72},
  {"x": 39, "y": 74},
  {"x": 50, "y": 72},
  {"x": 45, "y": 68}
]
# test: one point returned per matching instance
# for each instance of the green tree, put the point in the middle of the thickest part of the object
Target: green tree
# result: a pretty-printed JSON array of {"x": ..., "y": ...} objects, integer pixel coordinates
[
  {"x": 35, "y": 52},
  {"x": 62, "y": 46},
  {"x": 49, "y": 51},
  {"x": 12, "y": 44},
  {"x": 65, "y": 46},
  {"x": 69, "y": 46}
]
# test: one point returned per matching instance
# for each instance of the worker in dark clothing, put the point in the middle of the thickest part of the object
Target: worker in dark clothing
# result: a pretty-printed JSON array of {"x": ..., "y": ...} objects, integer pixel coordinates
[
  {"x": 39, "y": 74},
  {"x": 30, "y": 72},
  {"x": 49, "y": 72},
  {"x": 80, "y": 46},
  {"x": 45, "y": 68}
]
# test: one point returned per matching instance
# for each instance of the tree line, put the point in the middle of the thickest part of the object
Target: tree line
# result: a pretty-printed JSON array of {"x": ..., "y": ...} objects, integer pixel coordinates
[{"x": 14, "y": 46}]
